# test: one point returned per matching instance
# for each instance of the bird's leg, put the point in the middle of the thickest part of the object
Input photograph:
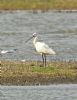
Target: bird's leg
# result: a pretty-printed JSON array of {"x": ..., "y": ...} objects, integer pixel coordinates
[{"x": 43, "y": 58}]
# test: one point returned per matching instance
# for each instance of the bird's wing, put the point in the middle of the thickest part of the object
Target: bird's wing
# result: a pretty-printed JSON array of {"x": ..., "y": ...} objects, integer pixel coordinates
[
  {"x": 41, "y": 47},
  {"x": 45, "y": 45},
  {"x": 47, "y": 49}
]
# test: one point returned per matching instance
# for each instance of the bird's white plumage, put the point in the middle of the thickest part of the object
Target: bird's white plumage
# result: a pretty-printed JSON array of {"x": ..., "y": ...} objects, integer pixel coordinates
[{"x": 41, "y": 47}]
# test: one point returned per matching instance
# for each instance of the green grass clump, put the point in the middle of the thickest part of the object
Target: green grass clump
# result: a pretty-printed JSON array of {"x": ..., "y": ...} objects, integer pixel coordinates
[
  {"x": 32, "y": 72},
  {"x": 38, "y": 4}
]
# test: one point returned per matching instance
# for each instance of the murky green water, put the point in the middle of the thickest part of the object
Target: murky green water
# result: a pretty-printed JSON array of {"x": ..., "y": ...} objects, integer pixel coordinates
[
  {"x": 52, "y": 92},
  {"x": 58, "y": 30}
]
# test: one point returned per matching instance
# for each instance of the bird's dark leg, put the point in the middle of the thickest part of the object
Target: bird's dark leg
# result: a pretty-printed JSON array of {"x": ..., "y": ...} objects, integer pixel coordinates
[{"x": 43, "y": 58}]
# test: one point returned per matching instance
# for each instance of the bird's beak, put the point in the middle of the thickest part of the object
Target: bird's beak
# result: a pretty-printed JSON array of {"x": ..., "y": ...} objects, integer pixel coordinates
[{"x": 29, "y": 39}]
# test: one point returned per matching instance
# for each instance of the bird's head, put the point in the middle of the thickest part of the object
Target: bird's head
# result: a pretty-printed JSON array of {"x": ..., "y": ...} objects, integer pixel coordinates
[{"x": 34, "y": 34}]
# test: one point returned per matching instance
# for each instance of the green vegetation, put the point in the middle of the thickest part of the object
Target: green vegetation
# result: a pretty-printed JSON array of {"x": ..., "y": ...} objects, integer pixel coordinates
[
  {"x": 38, "y": 4},
  {"x": 32, "y": 72}
]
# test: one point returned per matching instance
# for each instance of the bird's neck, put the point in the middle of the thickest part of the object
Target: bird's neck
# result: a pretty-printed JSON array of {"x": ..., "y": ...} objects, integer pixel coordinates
[{"x": 34, "y": 40}]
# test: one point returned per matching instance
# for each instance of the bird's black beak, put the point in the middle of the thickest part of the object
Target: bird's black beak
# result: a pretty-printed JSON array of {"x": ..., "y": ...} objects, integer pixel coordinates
[{"x": 29, "y": 39}]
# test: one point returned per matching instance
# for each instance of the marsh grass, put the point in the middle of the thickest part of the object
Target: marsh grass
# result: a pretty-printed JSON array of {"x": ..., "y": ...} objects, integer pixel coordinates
[
  {"x": 33, "y": 73},
  {"x": 38, "y": 4}
]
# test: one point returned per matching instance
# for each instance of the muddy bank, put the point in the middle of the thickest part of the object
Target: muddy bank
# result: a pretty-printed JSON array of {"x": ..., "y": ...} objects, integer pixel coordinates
[
  {"x": 33, "y": 73},
  {"x": 37, "y": 79}
]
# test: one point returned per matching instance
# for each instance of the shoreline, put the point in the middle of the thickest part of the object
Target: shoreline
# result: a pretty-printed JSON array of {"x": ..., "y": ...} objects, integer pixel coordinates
[
  {"x": 40, "y": 11},
  {"x": 30, "y": 73}
]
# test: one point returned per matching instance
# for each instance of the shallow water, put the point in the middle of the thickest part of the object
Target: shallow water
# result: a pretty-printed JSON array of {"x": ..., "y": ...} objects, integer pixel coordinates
[
  {"x": 58, "y": 30},
  {"x": 52, "y": 92}
]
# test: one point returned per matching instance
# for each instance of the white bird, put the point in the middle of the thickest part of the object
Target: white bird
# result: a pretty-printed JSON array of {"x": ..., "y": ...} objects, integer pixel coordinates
[
  {"x": 7, "y": 51},
  {"x": 4, "y": 51},
  {"x": 41, "y": 48}
]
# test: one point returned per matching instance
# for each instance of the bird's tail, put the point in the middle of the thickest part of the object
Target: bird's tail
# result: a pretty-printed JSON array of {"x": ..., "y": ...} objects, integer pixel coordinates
[{"x": 52, "y": 52}]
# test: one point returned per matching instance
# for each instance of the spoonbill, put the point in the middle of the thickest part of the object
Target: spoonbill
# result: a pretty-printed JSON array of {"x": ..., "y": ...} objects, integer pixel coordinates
[{"x": 41, "y": 48}]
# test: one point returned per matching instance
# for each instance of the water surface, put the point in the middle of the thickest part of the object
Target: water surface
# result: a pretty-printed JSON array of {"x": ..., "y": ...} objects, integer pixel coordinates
[
  {"x": 58, "y": 30},
  {"x": 52, "y": 92}
]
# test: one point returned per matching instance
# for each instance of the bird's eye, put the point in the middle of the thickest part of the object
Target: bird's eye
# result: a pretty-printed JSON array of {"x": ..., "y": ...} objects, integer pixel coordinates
[{"x": 33, "y": 35}]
